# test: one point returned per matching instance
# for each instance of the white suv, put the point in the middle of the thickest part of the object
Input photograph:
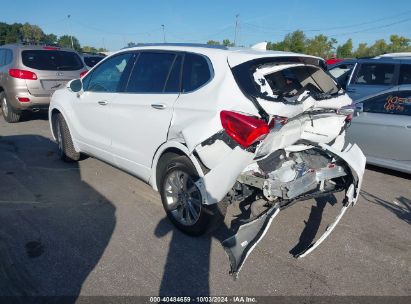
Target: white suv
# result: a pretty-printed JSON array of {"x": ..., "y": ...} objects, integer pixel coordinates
[{"x": 205, "y": 126}]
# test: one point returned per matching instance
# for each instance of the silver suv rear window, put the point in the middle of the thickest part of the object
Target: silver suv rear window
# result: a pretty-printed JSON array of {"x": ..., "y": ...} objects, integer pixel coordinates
[{"x": 51, "y": 60}]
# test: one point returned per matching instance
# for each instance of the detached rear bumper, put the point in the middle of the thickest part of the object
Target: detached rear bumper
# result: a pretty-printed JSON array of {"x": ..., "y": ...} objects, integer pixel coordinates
[{"x": 239, "y": 246}]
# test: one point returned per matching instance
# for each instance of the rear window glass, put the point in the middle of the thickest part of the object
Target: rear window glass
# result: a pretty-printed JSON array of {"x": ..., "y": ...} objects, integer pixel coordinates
[
  {"x": 51, "y": 60},
  {"x": 284, "y": 77},
  {"x": 92, "y": 60},
  {"x": 375, "y": 74}
]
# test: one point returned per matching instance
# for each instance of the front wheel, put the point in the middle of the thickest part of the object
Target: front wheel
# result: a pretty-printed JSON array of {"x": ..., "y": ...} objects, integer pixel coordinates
[
  {"x": 65, "y": 143},
  {"x": 183, "y": 201}
]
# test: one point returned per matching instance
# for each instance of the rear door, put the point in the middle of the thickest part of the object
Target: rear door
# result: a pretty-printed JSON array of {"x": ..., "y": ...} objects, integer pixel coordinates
[
  {"x": 53, "y": 67},
  {"x": 142, "y": 113},
  {"x": 383, "y": 128},
  {"x": 372, "y": 77}
]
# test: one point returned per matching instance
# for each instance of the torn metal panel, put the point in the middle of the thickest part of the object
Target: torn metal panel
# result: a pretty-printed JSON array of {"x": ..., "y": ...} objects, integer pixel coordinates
[
  {"x": 239, "y": 246},
  {"x": 356, "y": 160},
  {"x": 218, "y": 182}
]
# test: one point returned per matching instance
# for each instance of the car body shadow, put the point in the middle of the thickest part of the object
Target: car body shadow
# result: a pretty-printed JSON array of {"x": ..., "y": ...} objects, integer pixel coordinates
[
  {"x": 54, "y": 226},
  {"x": 401, "y": 206},
  {"x": 312, "y": 224}
]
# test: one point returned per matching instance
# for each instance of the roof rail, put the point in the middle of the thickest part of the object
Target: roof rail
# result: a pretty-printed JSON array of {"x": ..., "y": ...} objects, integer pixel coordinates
[
  {"x": 394, "y": 55},
  {"x": 203, "y": 45}
]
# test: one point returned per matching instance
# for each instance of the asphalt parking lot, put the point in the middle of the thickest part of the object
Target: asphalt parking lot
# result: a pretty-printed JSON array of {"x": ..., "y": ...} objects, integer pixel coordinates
[{"x": 89, "y": 229}]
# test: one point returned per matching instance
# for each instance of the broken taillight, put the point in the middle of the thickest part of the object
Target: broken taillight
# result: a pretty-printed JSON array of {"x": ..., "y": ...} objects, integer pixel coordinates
[
  {"x": 244, "y": 129},
  {"x": 277, "y": 122},
  {"x": 348, "y": 111}
]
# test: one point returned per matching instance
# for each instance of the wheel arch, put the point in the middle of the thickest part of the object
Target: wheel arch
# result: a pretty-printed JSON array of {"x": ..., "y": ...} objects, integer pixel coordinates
[{"x": 171, "y": 148}]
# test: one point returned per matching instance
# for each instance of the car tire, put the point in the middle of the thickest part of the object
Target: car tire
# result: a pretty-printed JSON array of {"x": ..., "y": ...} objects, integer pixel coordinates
[
  {"x": 66, "y": 149},
  {"x": 180, "y": 195},
  {"x": 10, "y": 114}
]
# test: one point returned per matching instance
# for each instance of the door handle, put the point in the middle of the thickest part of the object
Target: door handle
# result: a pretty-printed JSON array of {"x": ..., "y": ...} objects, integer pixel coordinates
[
  {"x": 409, "y": 127},
  {"x": 103, "y": 102},
  {"x": 158, "y": 106},
  {"x": 351, "y": 90}
]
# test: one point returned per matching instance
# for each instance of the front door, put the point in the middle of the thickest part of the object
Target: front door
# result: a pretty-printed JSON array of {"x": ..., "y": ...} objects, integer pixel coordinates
[{"x": 93, "y": 106}]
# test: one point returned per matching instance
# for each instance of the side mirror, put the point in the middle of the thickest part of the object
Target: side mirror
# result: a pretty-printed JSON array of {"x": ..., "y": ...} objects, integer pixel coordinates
[
  {"x": 358, "y": 108},
  {"x": 75, "y": 85}
]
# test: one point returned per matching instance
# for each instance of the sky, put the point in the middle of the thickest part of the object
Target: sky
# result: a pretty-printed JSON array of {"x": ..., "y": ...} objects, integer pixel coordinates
[{"x": 112, "y": 24}]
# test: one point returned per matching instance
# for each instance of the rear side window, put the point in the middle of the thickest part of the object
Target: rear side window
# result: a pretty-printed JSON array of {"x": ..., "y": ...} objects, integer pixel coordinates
[
  {"x": 405, "y": 74},
  {"x": 375, "y": 74},
  {"x": 51, "y": 60},
  {"x": 173, "y": 81},
  {"x": 196, "y": 72},
  {"x": 391, "y": 103},
  {"x": 150, "y": 73}
]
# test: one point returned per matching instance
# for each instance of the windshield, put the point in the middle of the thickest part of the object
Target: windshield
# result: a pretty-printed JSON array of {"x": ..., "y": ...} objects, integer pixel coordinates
[{"x": 52, "y": 60}]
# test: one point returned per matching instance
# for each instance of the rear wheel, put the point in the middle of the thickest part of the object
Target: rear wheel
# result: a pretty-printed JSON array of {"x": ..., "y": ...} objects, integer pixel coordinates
[
  {"x": 10, "y": 114},
  {"x": 65, "y": 144},
  {"x": 182, "y": 199}
]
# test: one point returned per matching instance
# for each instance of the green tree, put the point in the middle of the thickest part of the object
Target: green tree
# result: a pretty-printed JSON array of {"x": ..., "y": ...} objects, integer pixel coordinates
[
  {"x": 102, "y": 50},
  {"x": 65, "y": 41},
  {"x": 362, "y": 51},
  {"x": 345, "y": 50},
  {"x": 89, "y": 49},
  {"x": 213, "y": 42},
  {"x": 295, "y": 42},
  {"x": 31, "y": 33},
  {"x": 320, "y": 46},
  {"x": 50, "y": 39},
  {"x": 399, "y": 43},
  {"x": 379, "y": 47},
  {"x": 226, "y": 42}
]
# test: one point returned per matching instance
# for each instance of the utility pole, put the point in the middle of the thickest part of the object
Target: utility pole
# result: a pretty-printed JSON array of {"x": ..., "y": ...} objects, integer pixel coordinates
[
  {"x": 71, "y": 34},
  {"x": 164, "y": 34},
  {"x": 236, "y": 27}
]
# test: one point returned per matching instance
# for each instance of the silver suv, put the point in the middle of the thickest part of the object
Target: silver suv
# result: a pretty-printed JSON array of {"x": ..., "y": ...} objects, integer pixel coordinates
[{"x": 29, "y": 75}]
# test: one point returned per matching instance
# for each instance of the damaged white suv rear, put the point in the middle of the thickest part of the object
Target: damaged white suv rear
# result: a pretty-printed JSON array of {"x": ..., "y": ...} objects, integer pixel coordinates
[{"x": 209, "y": 126}]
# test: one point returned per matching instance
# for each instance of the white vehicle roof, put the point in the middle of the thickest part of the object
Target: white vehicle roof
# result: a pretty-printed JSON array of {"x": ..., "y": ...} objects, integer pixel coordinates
[{"x": 235, "y": 55}]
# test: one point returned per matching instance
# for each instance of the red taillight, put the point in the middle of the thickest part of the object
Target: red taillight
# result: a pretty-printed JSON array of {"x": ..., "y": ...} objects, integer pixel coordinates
[
  {"x": 244, "y": 129},
  {"x": 23, "y": 99},
  {"x": 83, "y": 73},
  {"x": 22, "y": 74}
]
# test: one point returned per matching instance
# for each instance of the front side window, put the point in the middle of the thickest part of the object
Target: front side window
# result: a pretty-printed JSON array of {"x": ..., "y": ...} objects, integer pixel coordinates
[
  {"x": 51, "y": 60},
  {"x": 150, "y": 72},
  {"x": 196, "y": 72},
  {"x": 390, "y": 103},
  {"x": 375, "y": 74},
  {"x": 107, "y": 76}
]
